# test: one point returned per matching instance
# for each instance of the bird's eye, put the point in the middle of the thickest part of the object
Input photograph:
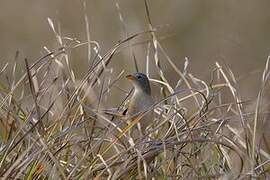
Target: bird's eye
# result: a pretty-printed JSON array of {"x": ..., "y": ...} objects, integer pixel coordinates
[{"x": 139, "y": 77}]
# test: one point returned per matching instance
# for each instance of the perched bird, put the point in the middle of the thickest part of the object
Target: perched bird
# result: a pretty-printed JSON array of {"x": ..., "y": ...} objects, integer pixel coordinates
[{"x": 141, "y": 99}]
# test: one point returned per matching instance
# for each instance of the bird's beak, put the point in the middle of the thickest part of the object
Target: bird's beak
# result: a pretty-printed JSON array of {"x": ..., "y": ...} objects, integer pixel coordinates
[{"x": 130, "y": 77}]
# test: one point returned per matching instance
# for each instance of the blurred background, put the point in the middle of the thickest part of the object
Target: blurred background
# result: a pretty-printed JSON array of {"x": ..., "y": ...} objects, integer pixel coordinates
[{"x": 228, "y": 31}]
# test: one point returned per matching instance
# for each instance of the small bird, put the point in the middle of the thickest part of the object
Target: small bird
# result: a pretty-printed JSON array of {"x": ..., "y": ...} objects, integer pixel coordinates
[{"x": 141, "y": 99}]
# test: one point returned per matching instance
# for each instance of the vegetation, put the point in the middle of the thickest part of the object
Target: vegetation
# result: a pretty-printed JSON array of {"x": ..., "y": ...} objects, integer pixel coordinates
[{"x": 53, "y": 125}]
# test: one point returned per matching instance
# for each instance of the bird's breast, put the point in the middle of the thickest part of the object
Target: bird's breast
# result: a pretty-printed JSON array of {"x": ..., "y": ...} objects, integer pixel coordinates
[{"x": 139, "y": 103}]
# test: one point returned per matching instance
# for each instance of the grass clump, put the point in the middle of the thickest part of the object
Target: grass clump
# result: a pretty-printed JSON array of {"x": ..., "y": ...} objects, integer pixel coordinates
[{"x": 53, "y": 125}]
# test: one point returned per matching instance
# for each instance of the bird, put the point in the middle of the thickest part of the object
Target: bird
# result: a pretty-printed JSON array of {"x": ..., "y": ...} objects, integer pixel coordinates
[
  {"x": 141, "y": 99},
  {"x": 140, "y": 105}
]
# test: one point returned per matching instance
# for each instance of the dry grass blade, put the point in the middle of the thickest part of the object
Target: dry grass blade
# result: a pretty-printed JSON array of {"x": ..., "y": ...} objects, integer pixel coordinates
[{"x": 34, "y": 95}]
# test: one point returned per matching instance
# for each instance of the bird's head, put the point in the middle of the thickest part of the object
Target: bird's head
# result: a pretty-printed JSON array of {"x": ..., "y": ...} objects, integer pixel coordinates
[{"x": 140, "y": 82}]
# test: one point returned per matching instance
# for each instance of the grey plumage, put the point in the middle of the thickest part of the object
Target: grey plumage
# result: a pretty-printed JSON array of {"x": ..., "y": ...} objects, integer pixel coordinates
[{"x": 141, "y": 98}]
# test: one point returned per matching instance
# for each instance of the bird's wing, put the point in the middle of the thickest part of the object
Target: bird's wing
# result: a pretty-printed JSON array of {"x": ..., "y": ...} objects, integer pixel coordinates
[{"x": 115, "y": 112}]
